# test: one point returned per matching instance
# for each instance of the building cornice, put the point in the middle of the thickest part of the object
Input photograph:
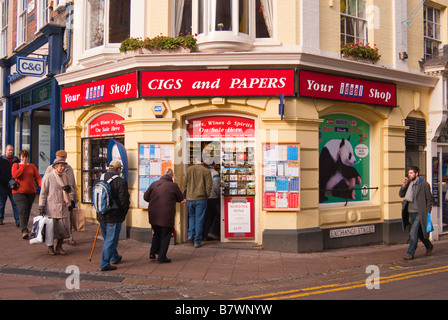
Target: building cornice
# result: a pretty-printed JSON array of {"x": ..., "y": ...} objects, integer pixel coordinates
[{"x": 250, "y": 60}]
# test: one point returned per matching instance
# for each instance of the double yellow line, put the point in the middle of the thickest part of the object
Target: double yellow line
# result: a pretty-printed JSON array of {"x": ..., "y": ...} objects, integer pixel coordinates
[{"x": 299, "y": 293}]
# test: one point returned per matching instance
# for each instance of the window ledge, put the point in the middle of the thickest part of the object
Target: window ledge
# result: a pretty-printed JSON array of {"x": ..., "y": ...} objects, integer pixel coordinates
[{"x": 224, "y": 41}]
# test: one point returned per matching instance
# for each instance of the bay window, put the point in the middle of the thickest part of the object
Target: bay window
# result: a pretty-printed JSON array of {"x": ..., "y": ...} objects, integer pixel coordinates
[
  {"x": 107, "y": 22},
  {"x": 224, "y": 25}
]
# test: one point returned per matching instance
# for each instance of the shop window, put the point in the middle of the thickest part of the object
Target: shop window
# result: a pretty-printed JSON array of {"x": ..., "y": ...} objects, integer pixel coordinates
[
  {"x": 26, "y": 131},
  {"x": 94, "y": 162},
  {"x": 16, "y": 122},
  {"x": 344, "y": 159},
  {"x": 415, "y": 140},
  {"x": 107, "y": 21},
  {"x": 225, "y": 21},
  {"x": 1, "y": 130},
  {"x": 353, "y": 21}
]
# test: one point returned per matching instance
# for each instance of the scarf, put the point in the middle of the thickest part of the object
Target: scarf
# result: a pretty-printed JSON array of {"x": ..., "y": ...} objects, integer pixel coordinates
[
  {"x": 62, "y": 181},
  {"x": 410, "y": 192}
]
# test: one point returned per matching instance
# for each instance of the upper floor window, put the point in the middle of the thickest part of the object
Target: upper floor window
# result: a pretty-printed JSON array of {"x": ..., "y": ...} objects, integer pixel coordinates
[
  {"x": 236, "y": 23},
  {"x": 4, "y": 28},
  {"x": 353, "y": 21},
  {"x": 432, "y": 30},
  {"x": 107, "y": 21},
  {"x": 21, "y": 21},
  {"x": 43, "y": 12}
]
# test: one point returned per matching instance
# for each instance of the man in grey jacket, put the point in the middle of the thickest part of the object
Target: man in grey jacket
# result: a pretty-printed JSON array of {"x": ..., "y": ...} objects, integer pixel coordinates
[{"x": 415, "y": 208}]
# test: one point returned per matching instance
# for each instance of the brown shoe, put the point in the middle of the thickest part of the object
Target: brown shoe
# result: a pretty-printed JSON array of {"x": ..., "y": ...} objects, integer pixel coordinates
[
  {"x": 59, "y": 249},
  {"x": 408, "y": 257},
  {"x": 428, "y": 252},
  {"x": 51, "y": 251}
]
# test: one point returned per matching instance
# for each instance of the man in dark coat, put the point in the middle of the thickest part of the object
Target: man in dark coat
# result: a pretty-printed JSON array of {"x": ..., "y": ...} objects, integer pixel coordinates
[
  {"x": 415, "y": 208},
  {"x": 111, "y": 221},
  {"x": 6, "y": 162},
  {"x": 162, "y": 196}
]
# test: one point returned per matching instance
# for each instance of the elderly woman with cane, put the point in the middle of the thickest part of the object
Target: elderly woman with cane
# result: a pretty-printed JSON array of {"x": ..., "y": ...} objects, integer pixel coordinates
[{"x": 56, "y": 202}]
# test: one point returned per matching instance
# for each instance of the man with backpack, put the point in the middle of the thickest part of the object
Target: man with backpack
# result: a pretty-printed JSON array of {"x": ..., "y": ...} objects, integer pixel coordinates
[{"x": 115, "y": 213}]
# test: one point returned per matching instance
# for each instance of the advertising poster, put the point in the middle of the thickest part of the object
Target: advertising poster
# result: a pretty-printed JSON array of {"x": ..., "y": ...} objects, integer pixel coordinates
[{"x": 344, "y": 159}]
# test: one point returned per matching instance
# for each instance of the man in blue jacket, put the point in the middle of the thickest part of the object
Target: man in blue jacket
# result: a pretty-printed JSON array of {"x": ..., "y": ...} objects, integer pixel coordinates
[{"x": 6, "y": 162}]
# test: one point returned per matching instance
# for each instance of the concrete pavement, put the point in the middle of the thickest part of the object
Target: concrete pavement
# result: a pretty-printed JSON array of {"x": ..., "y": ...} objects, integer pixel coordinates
[{"x": 28, "y": 272}]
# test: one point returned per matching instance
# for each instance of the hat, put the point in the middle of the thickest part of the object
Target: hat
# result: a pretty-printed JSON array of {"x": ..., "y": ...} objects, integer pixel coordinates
[
  {"x": 59, "y": 161},
  {"x": 61, "y": 154},
  {"x": 115, "y": 164}
]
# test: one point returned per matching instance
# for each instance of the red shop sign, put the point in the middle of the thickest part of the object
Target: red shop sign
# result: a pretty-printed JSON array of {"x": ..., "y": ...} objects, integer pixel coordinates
[
  {"x": 108, "y": 124},
  {"x": 111, "y": 89},
  {"x": 221, "y": 127},
  {"x": 324, "y": 86},
  {"x": 218, "y": 83}
]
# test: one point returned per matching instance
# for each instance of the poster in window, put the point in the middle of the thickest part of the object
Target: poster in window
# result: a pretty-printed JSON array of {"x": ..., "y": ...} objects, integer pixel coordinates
[
  {"x": 281, "y": 177},
  {"x": 344, "y": 159},
  {"x": 153, "y": 160}
]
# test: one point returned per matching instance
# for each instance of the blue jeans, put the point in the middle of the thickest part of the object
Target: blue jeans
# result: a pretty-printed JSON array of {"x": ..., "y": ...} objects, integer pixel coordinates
[
  {"x": 111, "y": 235},
  {"x": 416, "y": 233},
  {"x": 196, "y": 214},
  {"x": 4, "y": 194}
]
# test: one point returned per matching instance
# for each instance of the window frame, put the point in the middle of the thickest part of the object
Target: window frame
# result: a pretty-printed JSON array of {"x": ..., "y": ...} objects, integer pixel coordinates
[
  {"x": 345, "y": 16},
  {"x": 43, "y": 13},
  {"x": 435, "y": 42},
  {"x": 21, "y": 22},
  {"x": 4, "y": 28}
]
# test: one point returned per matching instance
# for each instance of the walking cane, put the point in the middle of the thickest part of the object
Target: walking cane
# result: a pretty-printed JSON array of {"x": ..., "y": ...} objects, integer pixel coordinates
[{"x": 94, "y": 242}]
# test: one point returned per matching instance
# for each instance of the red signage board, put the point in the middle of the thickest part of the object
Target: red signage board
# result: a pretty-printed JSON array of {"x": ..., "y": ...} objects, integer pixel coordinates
[
  {"x": 221, "y": 127},
  {"x": 111, "y": 89},
  {"x": 108, "y": 124},
  {"x": 324, "y": 86},
  {"x": 218, "y": 83}
]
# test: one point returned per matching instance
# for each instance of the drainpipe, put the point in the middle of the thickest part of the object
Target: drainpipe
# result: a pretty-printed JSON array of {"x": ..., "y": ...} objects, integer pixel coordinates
[{"x": 70, "y": 8}]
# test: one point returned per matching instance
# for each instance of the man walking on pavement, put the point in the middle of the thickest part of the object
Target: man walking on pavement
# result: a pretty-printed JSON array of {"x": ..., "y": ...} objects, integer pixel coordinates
[
  {"x": 6, "y": 162},
  {"x": 110, "y": 221},
  {"x": 196, "y": 188},
  {"x": 415, "y": 208}
]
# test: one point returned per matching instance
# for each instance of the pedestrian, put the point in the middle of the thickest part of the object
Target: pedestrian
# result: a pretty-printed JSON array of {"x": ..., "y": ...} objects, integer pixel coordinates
[
  {"x": 111, "y": 221},
  {"x": 6, "y": 162},
  {"x": 62, "y": 155},
  {"x": 26, "y": 174},
  {"x": 56, "y": 202},
  {"x": 415, "y": 208},
  {"x": 162, "y": 196},
  {"x": 212, "y": 224},
  {"x": 196, "y": 188}
]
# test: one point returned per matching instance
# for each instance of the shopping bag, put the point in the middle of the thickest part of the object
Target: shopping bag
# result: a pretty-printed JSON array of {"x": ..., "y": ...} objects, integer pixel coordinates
[
  {"x": 36, "y": 235},
  {"x": 78, "y": 221},
  {"x": 42, "y": 229},
  {"x": 429, "y": 226}
]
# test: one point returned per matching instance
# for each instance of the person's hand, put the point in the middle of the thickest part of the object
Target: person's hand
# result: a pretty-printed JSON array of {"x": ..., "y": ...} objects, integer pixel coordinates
[
  {"x": 42, "y": 210},
  {"x": 66, "y": 188},
  {"x": 405, "y": 181},
  {"x": 184, "y": 201}
]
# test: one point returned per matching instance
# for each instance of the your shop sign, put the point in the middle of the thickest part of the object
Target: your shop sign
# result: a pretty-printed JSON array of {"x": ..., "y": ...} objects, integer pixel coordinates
[
  {"x": 111, "y": 89},
  {"x": 324, "y": 86}
]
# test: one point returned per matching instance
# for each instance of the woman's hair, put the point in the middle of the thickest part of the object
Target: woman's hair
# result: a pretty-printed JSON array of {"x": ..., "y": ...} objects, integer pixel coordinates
[
  {"x": 24, "y": 153},
  {"x": 169, "y": 172}
]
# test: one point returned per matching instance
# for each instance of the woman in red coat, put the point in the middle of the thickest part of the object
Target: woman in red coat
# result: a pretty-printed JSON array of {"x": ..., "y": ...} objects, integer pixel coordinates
[
  {"x": 162, "y": 196},
  {"x": 25, "y": 173}
]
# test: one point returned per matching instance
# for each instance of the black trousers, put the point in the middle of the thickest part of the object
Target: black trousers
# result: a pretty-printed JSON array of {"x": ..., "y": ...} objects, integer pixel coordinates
[
  {"x": 24, "y": 202},
  {"x": 160, "y": 241}
]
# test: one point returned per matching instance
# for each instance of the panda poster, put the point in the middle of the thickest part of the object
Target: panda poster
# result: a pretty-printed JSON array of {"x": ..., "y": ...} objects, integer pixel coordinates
[{"x": 344, "y": 159}]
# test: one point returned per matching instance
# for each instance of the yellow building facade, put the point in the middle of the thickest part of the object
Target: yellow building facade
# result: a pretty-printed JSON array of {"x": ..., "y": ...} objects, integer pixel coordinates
[{"x": 312, "y": 146}]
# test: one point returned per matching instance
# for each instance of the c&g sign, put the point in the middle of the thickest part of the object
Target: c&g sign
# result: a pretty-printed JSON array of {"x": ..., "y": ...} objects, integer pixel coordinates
[{"x": 32, "y": 67}]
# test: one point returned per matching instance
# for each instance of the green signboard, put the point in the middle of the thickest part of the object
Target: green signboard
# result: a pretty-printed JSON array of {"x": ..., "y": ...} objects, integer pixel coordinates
[{"x": 344, "y": 159}]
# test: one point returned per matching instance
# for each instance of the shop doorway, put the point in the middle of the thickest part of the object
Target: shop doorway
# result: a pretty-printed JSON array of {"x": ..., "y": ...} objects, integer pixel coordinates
[
  {"x": 227, "y": 144},
  {"x": 443, "y": 178}
]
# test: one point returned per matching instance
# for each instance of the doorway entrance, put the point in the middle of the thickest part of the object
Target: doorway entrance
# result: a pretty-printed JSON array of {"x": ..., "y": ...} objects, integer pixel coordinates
[
  {"x": 227, "y": 143},
  {"x": 443, "y": 178}
]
